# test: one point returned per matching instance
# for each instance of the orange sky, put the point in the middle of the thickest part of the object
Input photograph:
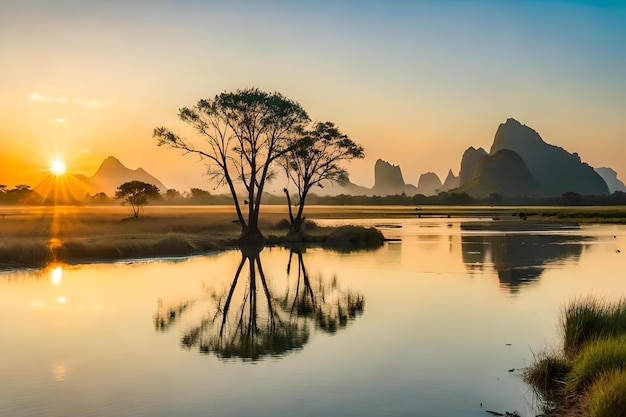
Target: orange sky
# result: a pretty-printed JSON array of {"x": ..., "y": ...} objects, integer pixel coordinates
[{"x": 415, "y": 83}]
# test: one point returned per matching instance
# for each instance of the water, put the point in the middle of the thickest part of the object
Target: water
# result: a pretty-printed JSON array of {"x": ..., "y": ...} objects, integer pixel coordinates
[{"x": 446, "y": 313}]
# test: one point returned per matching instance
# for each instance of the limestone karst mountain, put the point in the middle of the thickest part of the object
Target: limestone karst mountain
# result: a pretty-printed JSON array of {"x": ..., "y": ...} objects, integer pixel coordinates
[
  {"x": 503, "y": 173},
  {"x": 429, "y": 184},
  {"x": 112, "y": 173},
  {"x": 610, "y": 177},
  {"x": 388, "y": 180},
  {"x": 469, "y": 163},
  {"x": 450, "y": 182},
  {"x": 556, "y": 170}
]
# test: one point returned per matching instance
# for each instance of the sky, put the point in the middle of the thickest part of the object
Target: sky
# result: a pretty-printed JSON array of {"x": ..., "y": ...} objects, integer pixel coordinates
[{"x": 415, "y": 82}]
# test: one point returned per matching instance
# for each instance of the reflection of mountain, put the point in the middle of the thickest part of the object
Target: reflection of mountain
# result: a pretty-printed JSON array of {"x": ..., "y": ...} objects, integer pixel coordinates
[
  {"x": 239, "y": 324},
  {"x": 518, "y": 255}
]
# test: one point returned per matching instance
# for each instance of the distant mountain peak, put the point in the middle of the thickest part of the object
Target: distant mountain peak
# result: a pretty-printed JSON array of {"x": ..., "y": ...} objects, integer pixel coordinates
[
  {"x": 512, "y": 134},
  {"x": 112, "y": 173},
  {"x": 557, "y": 170},
  {"x": 388, "y": 180}
]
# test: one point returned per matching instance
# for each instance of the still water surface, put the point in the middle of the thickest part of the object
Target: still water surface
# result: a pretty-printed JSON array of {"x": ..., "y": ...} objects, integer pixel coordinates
[{"x": 429, "y": 325}]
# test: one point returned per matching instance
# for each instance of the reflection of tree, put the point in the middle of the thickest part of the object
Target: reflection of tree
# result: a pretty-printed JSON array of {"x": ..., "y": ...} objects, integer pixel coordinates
[
  {"x": 324, "y": 302},
  {"x": 519, "y": 257},
  {"x": 237, "y": 323}
]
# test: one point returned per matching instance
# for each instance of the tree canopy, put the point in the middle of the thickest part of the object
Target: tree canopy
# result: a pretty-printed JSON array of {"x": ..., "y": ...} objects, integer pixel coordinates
[
  {"x": 137, "y": 194},
  {"x": 240, "y": 135},
  {"x": 314, "y": 158}
]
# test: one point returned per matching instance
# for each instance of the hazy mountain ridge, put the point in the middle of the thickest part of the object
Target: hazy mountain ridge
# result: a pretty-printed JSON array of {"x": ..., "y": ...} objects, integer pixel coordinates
[
  {"x": 504, "y": 173},
  {"x": 112, "y": 173},
  {"x": 429, "y": 184},
  {"x": 556, "y": 170},
  {"x": 520, "y": 163},
  {"x": 388, "y": 180},
  {"x": 610, "y": 177},
  {"x": 451, "y": 182}
]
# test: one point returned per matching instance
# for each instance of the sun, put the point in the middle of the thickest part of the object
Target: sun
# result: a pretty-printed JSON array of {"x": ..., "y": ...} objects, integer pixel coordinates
[{"x": 57, "y": 167}]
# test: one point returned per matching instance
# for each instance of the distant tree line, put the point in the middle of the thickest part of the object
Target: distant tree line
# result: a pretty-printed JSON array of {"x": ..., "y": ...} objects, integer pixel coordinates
[
  {"x": 23, "y": 194},
  {"x": 20, "y": 194}
]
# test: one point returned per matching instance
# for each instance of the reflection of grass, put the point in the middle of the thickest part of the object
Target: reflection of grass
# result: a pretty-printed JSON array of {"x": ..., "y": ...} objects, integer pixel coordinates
[{"x": 591, "y": 374}]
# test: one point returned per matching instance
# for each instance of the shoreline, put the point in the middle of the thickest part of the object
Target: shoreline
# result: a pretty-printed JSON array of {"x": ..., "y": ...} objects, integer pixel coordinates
[{"x": 34, "y": 237}]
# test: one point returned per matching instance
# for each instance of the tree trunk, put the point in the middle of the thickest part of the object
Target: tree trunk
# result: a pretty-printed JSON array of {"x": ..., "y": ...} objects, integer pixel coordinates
[
  {"x": 298, "y": 220},
  {"x": 251, "y": 239}
]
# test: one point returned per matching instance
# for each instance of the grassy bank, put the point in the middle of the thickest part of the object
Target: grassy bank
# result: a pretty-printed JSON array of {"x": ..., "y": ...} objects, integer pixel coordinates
[
  {"x": 34, "y": 236},
  {"x": 37, "y": 236},
  {"x": 588, "y": 378}
]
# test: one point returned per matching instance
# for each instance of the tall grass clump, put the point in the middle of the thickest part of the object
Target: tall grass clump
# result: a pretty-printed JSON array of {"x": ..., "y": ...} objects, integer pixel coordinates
[
  {"x": 607, "y": 396},
  {"x": 594, "y": 360},
  {"x": 589, "y": 319},
  {"x": 547, "y": 374},
  {"x": 589, "y": 377}
]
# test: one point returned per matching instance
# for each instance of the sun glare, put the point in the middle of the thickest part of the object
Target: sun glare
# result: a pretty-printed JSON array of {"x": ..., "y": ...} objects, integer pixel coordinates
[{"x": 57, "y": 167}]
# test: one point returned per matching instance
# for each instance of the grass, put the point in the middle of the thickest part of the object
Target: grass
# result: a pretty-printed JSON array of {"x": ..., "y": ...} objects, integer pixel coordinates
[
  {"x": 590, "y": 319},
  {"x": 607, "y": 395},
  {"x": 548, "y": 373},
  {"x": 589, "y": 377},
  {"x": 37, "y": 236},
  {"x": 601, "y": 356},
  {"x": 82, "y": 233}
]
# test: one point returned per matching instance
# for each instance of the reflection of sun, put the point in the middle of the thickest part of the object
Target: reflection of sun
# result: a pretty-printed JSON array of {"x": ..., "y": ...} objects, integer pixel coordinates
[
  {"x": 56, "y": 275},
  {"x": 57, "y": 167}
]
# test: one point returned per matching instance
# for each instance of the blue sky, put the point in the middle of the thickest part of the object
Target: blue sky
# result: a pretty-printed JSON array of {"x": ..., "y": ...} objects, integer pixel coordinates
[{"x": 415, "y": 82}]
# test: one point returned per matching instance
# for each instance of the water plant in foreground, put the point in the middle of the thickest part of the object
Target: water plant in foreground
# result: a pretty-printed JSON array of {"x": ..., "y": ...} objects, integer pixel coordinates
[{"x": 589, "y": 377}]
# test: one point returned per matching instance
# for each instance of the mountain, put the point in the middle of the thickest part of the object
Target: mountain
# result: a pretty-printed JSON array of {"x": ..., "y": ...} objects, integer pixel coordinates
[
  {"x": 469, "y": 163},
  {"x": 610, "y": 177},
  {"x": 503, "y": 173},
  {"x": 556, "y": 170},
  {"x": 113, "y": 173},
  {"x": 451, "y": 182},
  {"x": 388, "y": 180},
  {"x": 429, "y": 184}
]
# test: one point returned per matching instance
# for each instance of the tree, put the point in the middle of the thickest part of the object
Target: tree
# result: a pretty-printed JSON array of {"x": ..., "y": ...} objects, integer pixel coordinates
[
  {"x": 173, "y": 194},
  {"x": 315, "y": 158},
  {"x": 242, "y": 134},
  {"x": 137, "y": 194}
]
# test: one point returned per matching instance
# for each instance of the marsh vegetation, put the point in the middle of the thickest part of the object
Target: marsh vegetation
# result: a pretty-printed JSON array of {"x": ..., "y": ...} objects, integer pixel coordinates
[{"x": 588, "y": 376}]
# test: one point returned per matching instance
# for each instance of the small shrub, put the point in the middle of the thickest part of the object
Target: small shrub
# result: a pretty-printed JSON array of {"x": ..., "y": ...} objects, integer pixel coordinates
[
  {"x": 595, "y": 359},
  {"x": 282, "y": 225},
  {"x": 348, "y": 237},
  {"x": 607, "y": 396}
]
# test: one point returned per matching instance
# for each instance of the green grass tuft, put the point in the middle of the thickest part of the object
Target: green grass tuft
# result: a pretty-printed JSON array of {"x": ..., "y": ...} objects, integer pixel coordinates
[
  {"x": 589, "y": 319},
  {"x": 594, "y": 360},
  {"x": 607, "y": 396}
]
